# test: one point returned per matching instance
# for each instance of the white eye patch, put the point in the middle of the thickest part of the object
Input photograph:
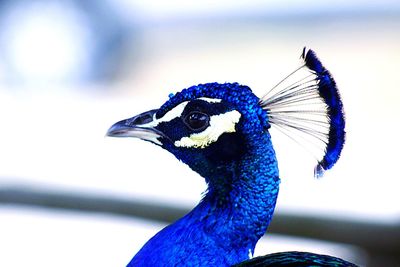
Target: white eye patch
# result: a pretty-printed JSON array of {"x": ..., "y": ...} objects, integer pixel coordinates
[
  {"x": 176, "y": 112},
  {"x": 219, "y": 124},
  {"x": 210, "y": 100}
]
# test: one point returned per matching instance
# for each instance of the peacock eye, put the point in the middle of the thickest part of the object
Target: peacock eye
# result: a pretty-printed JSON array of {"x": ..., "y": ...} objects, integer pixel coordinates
[{"x": 197, "y": 121}]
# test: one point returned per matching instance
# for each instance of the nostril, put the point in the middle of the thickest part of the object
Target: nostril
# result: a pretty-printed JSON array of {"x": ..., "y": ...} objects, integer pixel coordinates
[{"x": 144, "y": 118}]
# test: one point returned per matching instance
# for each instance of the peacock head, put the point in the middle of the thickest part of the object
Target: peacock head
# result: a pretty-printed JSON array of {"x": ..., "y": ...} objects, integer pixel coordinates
[{"x": 210, "y": 127}]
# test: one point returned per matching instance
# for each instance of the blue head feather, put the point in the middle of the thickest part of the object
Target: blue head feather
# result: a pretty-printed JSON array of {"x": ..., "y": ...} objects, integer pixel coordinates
[{"x": 240, "y": 96}]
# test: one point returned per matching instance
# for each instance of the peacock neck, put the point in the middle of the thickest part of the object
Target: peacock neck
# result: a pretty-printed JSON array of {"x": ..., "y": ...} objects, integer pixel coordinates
[
  {"x": 240, "y": 200},
  {"x": 225, "y": 226}
]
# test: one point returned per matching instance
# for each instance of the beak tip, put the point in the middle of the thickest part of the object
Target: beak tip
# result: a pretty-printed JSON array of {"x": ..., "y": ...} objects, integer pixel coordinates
[
  {"x": 117, "y": 129},
  {"x": 108, "y": 134}
]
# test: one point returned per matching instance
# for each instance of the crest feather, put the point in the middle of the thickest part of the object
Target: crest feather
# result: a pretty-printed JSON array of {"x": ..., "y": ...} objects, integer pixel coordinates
[{"x": 307, "y": 103}]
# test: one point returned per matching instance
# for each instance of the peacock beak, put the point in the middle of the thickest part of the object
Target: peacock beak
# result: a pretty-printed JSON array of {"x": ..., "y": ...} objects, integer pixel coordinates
[{"x": 140, "y": 126}]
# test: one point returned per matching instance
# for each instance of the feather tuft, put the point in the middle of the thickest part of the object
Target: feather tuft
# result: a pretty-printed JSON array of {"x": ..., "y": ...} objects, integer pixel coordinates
[{"x": 306, "y": 104}]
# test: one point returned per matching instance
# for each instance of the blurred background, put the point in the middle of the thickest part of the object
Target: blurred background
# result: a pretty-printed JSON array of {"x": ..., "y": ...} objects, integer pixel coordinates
[{"x": 69, "y": 69}]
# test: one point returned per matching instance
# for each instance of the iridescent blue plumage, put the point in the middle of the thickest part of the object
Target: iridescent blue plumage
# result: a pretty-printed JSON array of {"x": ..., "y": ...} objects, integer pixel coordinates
[{"x": 221, "y": 131}]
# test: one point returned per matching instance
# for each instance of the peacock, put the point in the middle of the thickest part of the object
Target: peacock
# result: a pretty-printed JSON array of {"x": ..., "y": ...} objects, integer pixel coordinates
[{"x": 221, "y": 131}]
